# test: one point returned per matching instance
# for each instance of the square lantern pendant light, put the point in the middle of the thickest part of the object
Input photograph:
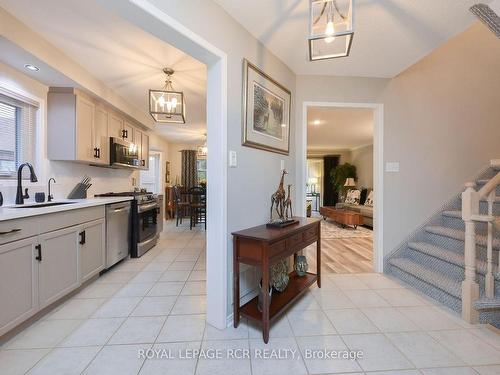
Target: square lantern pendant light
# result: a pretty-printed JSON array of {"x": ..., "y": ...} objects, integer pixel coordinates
[
  {"x": 330, "y": 29},
  {"x": 167, "y": 105}
]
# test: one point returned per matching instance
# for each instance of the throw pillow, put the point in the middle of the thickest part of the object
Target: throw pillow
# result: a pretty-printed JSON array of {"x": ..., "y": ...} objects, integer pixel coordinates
[
  {"x": 353, "y": 197},
  {"x": 369, "y": 200},
  {"x": 362, "y": 198}
]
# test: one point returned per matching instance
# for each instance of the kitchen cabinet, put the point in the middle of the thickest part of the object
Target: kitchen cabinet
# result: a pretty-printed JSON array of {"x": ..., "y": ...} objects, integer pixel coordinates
[
  {"x": 128, "y": 132},
  {"x": 100, "y": 138},
  {"x": 18, "y": 283},
  {"x": 142, "y": 142},
  {"x": 115, "y": 125},
  {"x": 57, "y": 259},
  {"x": 92, "y": 249},
  {"x": 64, "y": 249},
  {"x": 77, "y": 128},
  {"x": 84, "y": 126}
]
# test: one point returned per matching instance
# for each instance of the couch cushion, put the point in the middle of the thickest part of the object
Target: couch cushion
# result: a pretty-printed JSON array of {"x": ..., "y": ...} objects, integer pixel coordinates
[
  {"x": 369, "y": 200},
  {"x": 353, "y": 196}
]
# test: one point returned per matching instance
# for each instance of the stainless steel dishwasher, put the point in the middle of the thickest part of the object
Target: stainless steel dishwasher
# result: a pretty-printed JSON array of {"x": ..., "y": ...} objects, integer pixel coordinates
[{"x": 117, "y": 232}]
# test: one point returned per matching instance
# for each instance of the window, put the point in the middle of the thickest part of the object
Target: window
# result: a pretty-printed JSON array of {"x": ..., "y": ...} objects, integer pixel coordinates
[
  {"x": 17, "y": 134},
  {"x": 201, "y": 169}
]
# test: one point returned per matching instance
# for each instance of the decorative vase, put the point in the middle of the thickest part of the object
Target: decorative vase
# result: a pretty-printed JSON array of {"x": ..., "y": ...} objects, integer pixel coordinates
[
  {"x": 300, "y": 265},
  {"x": 260, "y": 301},
  {"x": 279, "y": 275}
]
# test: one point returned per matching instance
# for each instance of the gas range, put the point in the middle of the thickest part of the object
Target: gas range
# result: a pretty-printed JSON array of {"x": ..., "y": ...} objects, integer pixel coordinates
[{"x": 144, "y": 218}]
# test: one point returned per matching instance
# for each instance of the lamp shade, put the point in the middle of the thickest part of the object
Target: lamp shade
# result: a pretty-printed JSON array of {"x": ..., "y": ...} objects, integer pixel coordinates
[
  {"x": 349, "y": 182},
  {"x": 312, "y": 180}
]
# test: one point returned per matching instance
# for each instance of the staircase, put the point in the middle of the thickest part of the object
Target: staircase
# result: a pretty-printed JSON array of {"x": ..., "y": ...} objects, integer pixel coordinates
[{"x": 454, "y": 256}]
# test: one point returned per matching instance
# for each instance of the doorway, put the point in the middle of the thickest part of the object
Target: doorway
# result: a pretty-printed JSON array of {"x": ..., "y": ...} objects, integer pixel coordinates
[
  {"x": 302, "y": 172},
  {"x": 151, "y": 179}
]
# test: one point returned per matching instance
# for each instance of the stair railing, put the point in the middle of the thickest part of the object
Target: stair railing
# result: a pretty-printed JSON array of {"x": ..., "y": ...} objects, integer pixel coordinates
[{"x": 470, "y": 215}]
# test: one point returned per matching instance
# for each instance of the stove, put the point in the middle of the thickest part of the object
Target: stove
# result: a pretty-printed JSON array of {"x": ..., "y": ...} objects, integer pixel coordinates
[{"x": 145, "y": 211}]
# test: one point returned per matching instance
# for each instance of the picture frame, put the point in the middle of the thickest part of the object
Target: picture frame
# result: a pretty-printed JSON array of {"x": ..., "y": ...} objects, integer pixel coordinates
[
  {"x": 167, "y": 172},
  {"x": 266, "y": 111}
]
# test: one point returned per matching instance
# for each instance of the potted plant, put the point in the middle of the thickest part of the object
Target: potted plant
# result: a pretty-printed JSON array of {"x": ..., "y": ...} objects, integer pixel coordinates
[{"x": 339, "y": 174}]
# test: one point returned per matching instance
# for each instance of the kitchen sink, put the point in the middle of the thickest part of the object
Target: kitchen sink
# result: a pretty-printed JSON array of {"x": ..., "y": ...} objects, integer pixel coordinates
[{"x": 40, "y": 205}]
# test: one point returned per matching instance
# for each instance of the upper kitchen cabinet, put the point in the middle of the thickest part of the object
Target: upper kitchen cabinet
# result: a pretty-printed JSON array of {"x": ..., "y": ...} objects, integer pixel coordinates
[
  {"x": 141, "y": 139},
  {"x": 120, "y": 128},
  {"x": 77, "y": 128},
  {"x": 128, "y": 132}
]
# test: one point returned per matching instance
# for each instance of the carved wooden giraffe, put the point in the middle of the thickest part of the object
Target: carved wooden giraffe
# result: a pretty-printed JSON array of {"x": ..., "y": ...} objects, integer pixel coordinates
[
  {"x": 288, "y": 204},
  {"x": 278, "y": 198}
]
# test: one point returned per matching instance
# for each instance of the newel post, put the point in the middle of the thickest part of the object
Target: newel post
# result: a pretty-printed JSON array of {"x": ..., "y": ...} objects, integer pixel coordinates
[{"x": 470, "y": 288}]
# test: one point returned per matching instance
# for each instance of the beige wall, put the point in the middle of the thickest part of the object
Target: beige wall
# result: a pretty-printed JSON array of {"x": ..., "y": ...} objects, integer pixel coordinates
[
  {"x": 362, "y": 158},
  {"x": 442, "y": 123},
  {"x": 174, "y": 157}
]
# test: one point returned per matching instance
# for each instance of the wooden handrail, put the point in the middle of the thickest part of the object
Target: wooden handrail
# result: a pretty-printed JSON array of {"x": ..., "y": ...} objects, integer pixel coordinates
[{"x": 489, "y": 186}]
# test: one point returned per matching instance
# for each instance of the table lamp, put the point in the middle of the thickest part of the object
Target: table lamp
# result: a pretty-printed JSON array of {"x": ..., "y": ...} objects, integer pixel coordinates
[{"x": 312, "y": 182}]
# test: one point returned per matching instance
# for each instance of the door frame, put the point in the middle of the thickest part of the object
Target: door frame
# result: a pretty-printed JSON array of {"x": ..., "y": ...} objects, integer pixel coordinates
[
  {"x": 147, "y": 16},
  {"x": 378, "y": 170}
]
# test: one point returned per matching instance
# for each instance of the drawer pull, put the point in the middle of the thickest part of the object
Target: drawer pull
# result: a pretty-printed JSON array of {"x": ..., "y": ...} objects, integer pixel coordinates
[
  {"x": 10, "y": 231},
  {"x": 39, "y": 250}
]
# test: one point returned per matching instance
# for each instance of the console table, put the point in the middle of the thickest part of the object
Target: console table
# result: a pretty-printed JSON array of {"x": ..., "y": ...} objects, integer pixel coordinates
[{"x": 261, "y": 246}]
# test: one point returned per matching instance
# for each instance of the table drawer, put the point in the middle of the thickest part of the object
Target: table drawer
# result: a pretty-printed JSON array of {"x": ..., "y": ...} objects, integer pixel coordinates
[
  {"x": 310, "y": 233},
  {"x": 17, "y": 229},
  {"x": 294, "y": 241},
  {"x": 277, "y": 248}
]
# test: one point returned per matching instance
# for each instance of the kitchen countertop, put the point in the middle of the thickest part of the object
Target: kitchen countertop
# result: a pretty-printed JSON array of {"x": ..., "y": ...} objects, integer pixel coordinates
[{"x": 9, "y": 212}]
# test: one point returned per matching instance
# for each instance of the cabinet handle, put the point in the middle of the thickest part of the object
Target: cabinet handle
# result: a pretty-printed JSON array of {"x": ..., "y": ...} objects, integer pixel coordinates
[
  {"x": 98, "y": 153},
  {"x": 39, "y": 250},
  {"x": 143, "y": 162},
  {"x": 126, "y": 133},
  {"x": 10, "y": 231},
  {"x": 123, "y": 133},
  {"x": 82, "y": 238},
  {"x": 95, "y": 152}
]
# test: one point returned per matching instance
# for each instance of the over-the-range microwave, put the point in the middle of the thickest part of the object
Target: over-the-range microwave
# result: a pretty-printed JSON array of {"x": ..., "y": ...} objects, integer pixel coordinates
[{"x": 124, "y": 154}]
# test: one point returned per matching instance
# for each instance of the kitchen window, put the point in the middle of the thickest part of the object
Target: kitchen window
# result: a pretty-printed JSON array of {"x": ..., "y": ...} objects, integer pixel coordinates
[
  {"x": 17, "y": 134},
  {"x": 201, "y": 169}
]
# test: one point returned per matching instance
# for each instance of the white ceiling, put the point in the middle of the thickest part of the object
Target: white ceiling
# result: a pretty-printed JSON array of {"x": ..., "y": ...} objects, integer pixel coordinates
[
  {"x": 127, "y": 59},
  {"x": 330, "y": 128},
  {"x": 390, "y": 35}
]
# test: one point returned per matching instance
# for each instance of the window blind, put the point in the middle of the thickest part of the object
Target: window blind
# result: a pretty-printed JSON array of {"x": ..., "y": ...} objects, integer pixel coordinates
[{"x": 17, "y": 135}]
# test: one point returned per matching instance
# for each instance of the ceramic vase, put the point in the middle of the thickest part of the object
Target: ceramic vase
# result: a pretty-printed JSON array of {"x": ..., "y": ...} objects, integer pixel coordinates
[
  {"x": 300, "y": 265},
  {"x": 279, "y": 275}
]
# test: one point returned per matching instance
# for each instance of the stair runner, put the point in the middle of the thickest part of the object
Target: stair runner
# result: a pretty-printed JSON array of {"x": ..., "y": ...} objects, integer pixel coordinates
[{"x": 432, "y": 259}]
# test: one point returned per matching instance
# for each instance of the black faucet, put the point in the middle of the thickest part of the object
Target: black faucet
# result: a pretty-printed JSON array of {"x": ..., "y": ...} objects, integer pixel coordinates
[
  {"x": 20, "y": 196},
  {"x": 50, "y": 197}
]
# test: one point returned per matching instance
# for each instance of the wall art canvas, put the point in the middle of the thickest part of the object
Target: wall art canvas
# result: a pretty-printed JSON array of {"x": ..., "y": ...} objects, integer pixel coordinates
[{"x": 266, "y": 103}]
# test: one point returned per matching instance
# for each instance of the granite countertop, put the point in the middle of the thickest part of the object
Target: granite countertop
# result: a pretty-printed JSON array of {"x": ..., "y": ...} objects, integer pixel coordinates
[{"x": 9, "y": 212}]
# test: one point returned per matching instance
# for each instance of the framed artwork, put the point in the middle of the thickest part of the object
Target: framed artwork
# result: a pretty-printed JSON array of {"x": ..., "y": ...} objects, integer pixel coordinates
[
  {"x": 266, "y": 111},
  {"x": 167, "y": 172}
]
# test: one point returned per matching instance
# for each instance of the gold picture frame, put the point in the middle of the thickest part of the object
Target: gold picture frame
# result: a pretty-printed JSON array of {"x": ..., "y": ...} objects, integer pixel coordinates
[{"x": 266, "y": 111}]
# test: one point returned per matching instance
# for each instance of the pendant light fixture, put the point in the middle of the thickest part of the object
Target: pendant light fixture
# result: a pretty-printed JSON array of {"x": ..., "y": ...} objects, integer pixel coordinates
[
  {"x": 330, "y": 29},
  {"x": 167, "y": 105}
]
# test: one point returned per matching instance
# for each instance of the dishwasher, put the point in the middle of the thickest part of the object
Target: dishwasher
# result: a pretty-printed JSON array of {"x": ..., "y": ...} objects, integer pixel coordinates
[{"x": 118, "y": 232}]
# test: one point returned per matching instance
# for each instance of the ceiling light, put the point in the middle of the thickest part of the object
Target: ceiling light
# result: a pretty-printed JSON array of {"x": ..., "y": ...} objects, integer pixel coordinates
[
  {"x": 316, "y": 122},
  {"x": 167, "y": 105},
  {"x": 331, "y": 29},
  {"x": 31, "y": 67}
]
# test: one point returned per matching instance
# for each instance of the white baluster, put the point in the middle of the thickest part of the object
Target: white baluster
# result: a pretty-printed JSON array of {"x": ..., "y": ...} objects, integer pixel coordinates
[
  {"x": 470, "y": 288},
  {"x": 489, "y": 281}
]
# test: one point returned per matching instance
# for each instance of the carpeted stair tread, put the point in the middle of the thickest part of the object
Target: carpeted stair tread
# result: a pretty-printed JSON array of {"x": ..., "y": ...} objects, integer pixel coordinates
[
  {"x": 448, "y": 256},
  {"x": 430, "y": 276},
  {"x": 487, "y": 304},
  {"x": 458, "y": 234},
  {"x": 453, "y": 213}
]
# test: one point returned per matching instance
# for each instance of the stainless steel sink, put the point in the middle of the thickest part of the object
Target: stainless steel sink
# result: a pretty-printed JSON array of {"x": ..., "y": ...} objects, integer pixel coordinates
[{"x": 40, "y": 205}]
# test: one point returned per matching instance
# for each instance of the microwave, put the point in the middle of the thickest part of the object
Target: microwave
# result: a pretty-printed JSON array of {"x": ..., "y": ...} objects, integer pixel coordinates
[{"x": 124, "y": 154}]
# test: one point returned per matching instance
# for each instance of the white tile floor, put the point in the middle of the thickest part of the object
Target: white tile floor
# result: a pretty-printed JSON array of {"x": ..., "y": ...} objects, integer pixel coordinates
[{"x": 158, "y": 302}]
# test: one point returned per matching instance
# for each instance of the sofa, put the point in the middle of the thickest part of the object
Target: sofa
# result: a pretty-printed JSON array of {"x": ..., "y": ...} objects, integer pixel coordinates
[{"x": 364, "y": 208}]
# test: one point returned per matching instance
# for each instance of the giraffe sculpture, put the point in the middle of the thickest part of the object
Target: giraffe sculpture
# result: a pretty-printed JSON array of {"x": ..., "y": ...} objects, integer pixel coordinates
[
  {"x": 278, "y": 198},
  {"x": 288, "y": 205}
]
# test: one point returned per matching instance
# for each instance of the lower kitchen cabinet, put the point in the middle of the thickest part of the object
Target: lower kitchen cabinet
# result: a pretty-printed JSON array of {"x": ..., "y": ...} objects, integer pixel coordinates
[
  {"x": 39, "y": 270},
  {"x": 58, "y": 264},
  {"x": 18, "y": 282},
  {"x": 92, "y": 245}
]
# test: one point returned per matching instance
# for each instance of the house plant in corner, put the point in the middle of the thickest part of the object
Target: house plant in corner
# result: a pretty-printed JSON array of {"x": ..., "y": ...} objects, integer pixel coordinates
[{"x": 339, "y": 174}]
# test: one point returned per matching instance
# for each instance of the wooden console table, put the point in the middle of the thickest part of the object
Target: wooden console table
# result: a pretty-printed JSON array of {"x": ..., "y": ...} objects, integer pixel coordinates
[{"x": 263, "y": 247}]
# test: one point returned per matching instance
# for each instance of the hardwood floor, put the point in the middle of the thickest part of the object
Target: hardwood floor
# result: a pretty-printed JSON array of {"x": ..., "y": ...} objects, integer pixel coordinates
[{"x": 346, "y": 255}]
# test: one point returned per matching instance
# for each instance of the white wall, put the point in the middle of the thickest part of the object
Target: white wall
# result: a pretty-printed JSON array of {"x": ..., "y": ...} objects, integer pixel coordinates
[
  {"x": 442, "y": 119},
  {"x": 362, "y": 158},
  {"x": 252, "y": 183},
  {"x": 67, "y": 174}
]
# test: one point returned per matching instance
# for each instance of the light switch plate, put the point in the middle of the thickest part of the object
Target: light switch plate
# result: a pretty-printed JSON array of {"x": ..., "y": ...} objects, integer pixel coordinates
[
  {"x": 233, "y": 160},
  {"x": 392, "y": 166}
]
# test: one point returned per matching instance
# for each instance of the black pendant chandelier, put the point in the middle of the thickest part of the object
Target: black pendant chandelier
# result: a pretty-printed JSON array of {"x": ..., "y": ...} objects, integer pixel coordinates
[{"x": 167, "y": 105}]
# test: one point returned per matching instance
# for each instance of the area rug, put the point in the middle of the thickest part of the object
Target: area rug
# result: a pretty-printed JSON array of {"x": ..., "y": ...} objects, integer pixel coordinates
[{"x": 332, "y": 230}]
